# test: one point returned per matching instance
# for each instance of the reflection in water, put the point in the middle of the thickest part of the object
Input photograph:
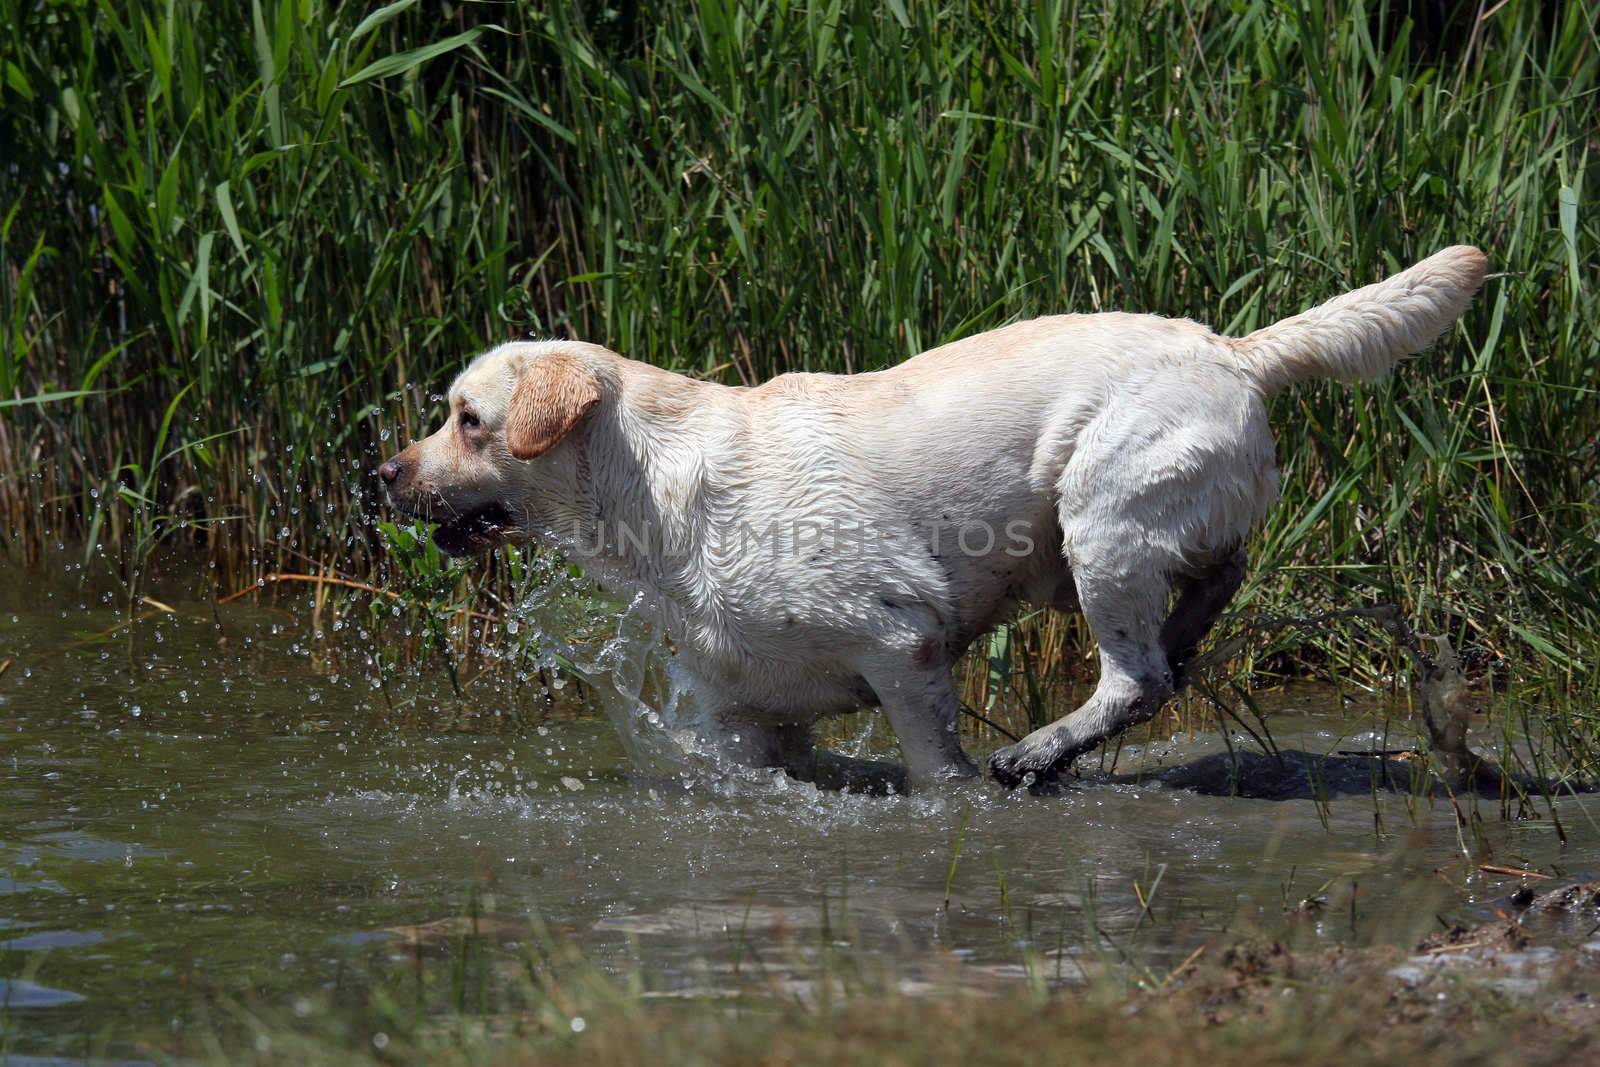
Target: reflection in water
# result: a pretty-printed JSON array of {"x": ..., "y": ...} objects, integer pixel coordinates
[
  {"x": 19, "y": 995},
  {"x": 183, "y": 816}
]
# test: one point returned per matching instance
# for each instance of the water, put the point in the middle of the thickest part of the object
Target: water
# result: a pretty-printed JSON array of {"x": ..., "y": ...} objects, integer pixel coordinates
[{"x": 212, "y": 806}]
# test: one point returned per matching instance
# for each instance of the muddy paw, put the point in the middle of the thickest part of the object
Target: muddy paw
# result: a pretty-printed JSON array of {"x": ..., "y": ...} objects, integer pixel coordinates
[{"x": 1031, "y": 763}]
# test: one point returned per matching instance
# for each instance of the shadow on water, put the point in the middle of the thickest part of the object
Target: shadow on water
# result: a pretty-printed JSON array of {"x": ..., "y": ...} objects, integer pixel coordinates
[
  {"x": 211, "y": 807},
  {"x": 1295, "y": 774},
  {"x": 1443, "y": 763}
]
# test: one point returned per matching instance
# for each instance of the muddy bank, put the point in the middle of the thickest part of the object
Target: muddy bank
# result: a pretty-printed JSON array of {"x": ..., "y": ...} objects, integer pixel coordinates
[
  {"x": 1523, "y": 990},
  {"x": 1540, "y": 958}
]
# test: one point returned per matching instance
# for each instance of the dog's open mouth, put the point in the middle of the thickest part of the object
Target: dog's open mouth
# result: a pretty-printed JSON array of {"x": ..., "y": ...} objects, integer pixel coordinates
[{"x": 473, "y": 531}]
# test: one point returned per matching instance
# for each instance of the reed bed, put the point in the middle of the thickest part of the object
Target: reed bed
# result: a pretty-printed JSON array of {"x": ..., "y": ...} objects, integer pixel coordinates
[{"x": 242, "y": 247}]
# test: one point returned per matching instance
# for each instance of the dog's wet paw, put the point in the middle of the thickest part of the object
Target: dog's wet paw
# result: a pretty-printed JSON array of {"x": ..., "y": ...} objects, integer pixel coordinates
[{"x": 1031, "y": 763}]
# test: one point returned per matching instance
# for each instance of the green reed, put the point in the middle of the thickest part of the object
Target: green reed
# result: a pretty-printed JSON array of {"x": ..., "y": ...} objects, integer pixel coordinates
[{"x": 242, "y": 247}]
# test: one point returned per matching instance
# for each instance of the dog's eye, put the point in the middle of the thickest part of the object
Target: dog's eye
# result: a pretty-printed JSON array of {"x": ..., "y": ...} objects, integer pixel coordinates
[{"x": 469, "y": 421}]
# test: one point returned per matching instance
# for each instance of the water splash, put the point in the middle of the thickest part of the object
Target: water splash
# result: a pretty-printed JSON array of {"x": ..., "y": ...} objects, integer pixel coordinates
[{"x": 623, "y": 654}]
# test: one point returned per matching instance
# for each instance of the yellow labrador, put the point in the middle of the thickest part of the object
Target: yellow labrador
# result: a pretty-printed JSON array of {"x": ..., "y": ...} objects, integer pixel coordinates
[{"x": 823, "y": 542}]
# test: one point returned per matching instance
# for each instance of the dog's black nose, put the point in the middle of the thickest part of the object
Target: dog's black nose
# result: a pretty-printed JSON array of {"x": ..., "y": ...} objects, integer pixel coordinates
[{"x": 390, "y": 470}]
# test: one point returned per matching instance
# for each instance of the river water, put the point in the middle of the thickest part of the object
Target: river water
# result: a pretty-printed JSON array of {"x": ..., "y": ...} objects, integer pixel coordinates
[{"x": 211, "y": 806}]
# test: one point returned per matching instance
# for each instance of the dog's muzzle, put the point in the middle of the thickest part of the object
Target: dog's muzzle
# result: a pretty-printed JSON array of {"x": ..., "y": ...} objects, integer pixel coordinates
[{"x": 457, "y": 533}]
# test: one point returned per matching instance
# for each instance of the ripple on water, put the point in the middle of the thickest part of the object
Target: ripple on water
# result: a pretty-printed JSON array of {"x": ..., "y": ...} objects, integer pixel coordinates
[
  {"x": 10, "y": 885},
  {"x": 18, "y": 994},
  {"x": 49, "y": 939}
]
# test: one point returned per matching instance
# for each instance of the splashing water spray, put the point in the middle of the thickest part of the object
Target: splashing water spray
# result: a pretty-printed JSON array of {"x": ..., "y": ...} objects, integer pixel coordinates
[{"x": 624, "y": 657}]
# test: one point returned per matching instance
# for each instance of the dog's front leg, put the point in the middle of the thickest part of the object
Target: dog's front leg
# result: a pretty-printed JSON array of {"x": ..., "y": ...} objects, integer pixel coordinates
[
  {"x": 808, "y": 761},
  {"x": 792, "y": 748},
  {"x": 922, "y": 707}
]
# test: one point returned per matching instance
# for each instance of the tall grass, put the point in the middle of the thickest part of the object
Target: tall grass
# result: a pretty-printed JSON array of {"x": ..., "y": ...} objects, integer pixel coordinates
[{"x": 243, "y": 245}]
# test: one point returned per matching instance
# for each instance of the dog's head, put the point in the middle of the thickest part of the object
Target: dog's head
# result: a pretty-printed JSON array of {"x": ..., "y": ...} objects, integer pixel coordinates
[{"x": 478, "y": 476}]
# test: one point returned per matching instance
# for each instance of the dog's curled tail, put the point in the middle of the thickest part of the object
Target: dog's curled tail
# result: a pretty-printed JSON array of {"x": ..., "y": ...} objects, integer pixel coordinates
[{"x": 1360, "y": 335}]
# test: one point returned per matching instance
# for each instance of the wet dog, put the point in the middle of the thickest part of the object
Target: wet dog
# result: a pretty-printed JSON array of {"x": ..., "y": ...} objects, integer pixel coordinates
[{"x": 822, "y": 542}]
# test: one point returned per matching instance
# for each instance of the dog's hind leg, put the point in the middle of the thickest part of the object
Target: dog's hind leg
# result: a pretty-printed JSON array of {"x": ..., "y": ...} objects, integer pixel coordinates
[
  {"x": 1158, "y": 484},
  {"x": 1140, "y": 667},
  {"x": 1124, "y": 610},
  {"x": 1200, "y": 604}
]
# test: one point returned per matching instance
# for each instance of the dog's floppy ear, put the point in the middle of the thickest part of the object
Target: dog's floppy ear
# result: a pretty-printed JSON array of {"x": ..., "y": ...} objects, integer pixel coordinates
[{"x": 552, "y": 393}]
